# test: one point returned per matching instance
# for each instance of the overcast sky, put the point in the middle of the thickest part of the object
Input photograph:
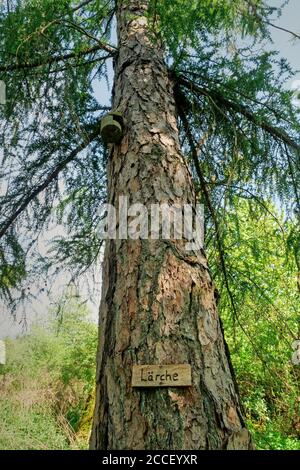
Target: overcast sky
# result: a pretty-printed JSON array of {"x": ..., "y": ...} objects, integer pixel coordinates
[{"x": 288, "y": 48}]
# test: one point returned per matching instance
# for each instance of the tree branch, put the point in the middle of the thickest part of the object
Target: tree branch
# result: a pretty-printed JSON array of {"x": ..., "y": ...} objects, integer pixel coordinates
[
  {"x": 218, "y": 235},
  {"x": 54, "y": 59},
  {"x": 269, "y": 23},
  {"x": 282, "y": 29},
  {"x": 208, "y": 202},
  {"x": 51, "y": 177},
  {"x": 81, "y": 5},
  {"x": 276, "y": 132}
]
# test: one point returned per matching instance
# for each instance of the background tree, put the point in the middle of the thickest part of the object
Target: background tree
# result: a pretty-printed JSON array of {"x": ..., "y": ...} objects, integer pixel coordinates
[{"x": 238, "y": 132}]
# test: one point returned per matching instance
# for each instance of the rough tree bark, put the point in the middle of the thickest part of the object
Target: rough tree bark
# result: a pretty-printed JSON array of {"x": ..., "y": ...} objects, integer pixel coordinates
[{"x": 158, "y": 301}]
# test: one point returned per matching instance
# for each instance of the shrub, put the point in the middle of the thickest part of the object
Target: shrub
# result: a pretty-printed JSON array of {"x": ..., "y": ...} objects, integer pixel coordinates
[{"x": 47, "y": 385}]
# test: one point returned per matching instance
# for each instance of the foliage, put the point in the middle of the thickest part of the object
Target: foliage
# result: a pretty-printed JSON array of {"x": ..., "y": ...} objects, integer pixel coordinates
[
  {"x": 49, "y": 143},
  {"x": 260, "y": 336},
  {"x": 54, "y": 54},
  {"x": 48, "y": 382},
  {"x": 179, "y": 23},
  {"x": 239, "y": 129}
]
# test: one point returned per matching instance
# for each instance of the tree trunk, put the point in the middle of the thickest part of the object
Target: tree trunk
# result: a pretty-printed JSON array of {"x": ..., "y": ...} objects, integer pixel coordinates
[{"x": 158, "y": 301}]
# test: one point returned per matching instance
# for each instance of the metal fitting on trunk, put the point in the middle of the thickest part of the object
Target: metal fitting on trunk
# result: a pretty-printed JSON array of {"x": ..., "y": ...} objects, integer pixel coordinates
[{"x": 112, "y": 126}]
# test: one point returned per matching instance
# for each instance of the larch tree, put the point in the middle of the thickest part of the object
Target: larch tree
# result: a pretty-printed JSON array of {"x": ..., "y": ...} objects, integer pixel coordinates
[{"x": 206, "y": 119}]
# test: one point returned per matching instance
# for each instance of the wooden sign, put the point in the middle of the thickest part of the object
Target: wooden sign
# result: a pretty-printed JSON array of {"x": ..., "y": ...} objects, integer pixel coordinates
[{"x": 175, "y": 375}]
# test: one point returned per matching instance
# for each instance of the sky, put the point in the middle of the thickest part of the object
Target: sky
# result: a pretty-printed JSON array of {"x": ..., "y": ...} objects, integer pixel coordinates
[{"x": 288, "y": 48}]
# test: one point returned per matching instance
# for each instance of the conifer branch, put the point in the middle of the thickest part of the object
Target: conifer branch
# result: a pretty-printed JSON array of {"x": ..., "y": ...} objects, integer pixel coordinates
[
  {"x": 217, "y": 228},
  {"x": 59, "y": 58},
  {"x": 49, "y": 179},
  {"x": 276, "y": 132}
]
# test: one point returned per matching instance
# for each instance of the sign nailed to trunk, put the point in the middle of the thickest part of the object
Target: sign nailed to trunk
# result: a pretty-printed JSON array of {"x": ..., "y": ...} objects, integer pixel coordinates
[{"x": 175, "y": 375}]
